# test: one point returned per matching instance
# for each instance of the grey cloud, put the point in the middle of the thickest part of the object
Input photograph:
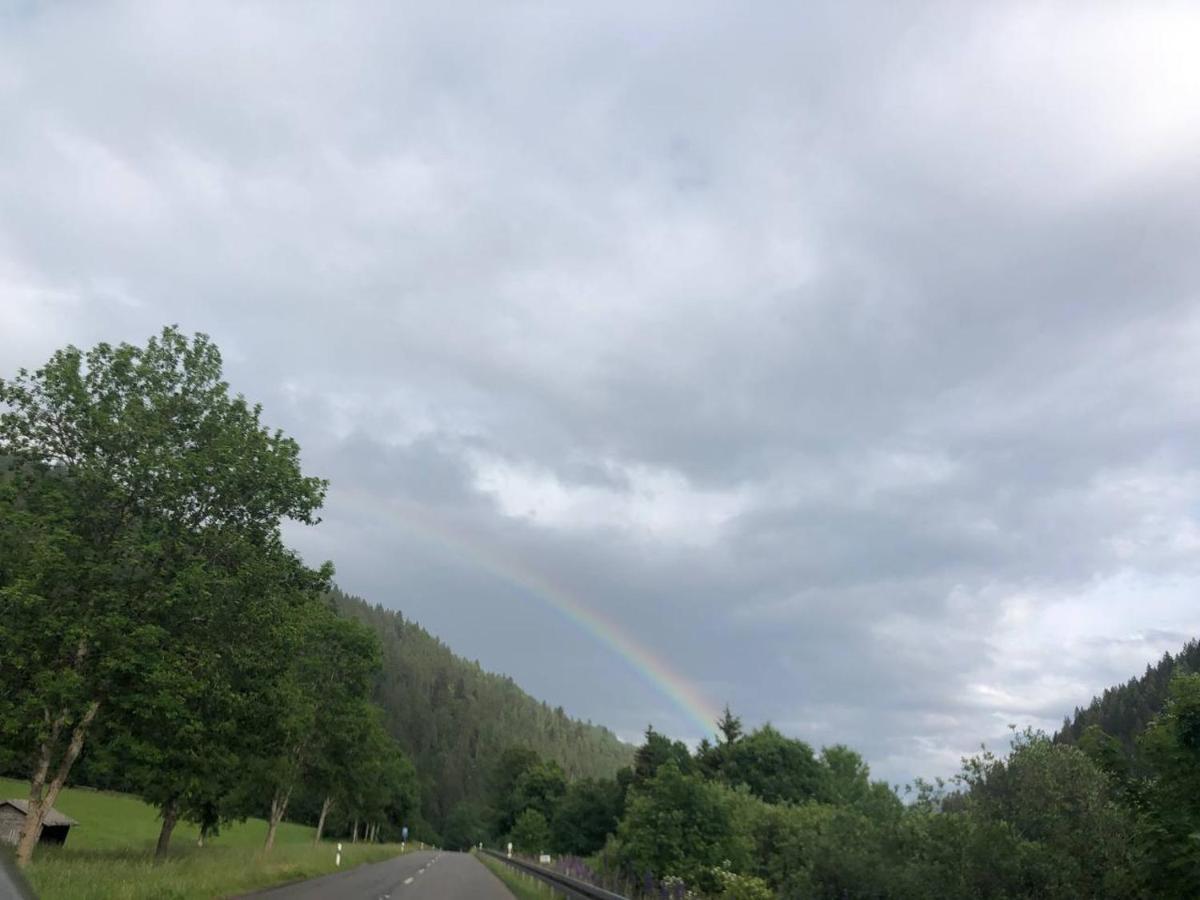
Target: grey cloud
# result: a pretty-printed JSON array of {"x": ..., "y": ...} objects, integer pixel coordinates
[{"x": 906, "y": 292}]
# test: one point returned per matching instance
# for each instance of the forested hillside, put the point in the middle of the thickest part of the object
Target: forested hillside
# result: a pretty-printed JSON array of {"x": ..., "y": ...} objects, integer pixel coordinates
[
  {"x": 1124, "y": 711},
  {"x": 454, "y": 719}
]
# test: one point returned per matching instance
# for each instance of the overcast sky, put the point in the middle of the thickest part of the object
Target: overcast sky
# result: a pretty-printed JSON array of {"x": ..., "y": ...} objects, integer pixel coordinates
[{"x": 845, "y": 355}]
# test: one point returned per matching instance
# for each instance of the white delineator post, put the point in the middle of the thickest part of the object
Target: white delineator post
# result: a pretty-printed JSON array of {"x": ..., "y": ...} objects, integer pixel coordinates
[
  {"x": 337, "y": 860},
  {"x": 510, "y": 849}
]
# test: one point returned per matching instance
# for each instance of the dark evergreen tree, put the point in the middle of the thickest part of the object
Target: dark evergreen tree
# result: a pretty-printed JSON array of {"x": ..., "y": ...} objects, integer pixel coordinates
[{"x": 729, "y": 727}]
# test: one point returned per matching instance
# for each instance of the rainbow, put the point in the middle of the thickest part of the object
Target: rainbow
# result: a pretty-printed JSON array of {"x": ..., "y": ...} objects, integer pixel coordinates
[{"x": 654, "y": 670}]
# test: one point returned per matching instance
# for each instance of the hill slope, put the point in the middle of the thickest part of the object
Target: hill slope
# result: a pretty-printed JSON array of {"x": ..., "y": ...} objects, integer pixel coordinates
[
  {"x": 453, "y": 718},
  {"x": 1125, "y": 710}
]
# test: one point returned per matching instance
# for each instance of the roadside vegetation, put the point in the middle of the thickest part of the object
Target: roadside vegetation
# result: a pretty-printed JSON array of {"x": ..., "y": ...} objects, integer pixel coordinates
[
  {"x": 112, "y": 853},
  {"x": 189, "y": 873},
  {"x": 759, "y": 815},
  {"x": 523, "y": 887}
]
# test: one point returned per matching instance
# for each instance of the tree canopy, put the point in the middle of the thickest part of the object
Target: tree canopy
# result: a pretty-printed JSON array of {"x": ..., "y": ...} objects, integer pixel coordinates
[{"x": 146, "y": 593}]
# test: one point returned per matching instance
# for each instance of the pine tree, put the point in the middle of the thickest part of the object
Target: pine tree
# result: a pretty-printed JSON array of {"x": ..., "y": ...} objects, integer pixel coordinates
[{"x": 729, "y": 726}]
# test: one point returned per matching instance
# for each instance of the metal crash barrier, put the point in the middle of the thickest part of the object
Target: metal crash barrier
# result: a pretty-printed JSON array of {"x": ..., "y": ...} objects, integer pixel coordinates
[{"x": 571, "y": 887}]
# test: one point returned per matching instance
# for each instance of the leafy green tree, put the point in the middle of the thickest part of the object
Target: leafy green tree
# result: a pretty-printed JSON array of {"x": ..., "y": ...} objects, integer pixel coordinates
[
  {"x": 329, "y": 677},
  {"x": 199, "y": 721},
  {"x": 540, "y": 787},
  {"x": 129, "y": 460},
  {"x": 586, "y": 815},
  {"x": 681, "y": 825},
  {"x": 531, "y": 833},
  {"x": 845, "y": 777},
  {"x": 1110, "y": 757},
  {"x": 960, "y": 856},
  {"x": 381, "y": 787},
  {"x": 625, "y": 780},
  {"x": 349, "y": 757},
  {"x": 465, "y": 828},
  {"x": 1058, "y": 802},
  {"x": 1169, "y": 828},
  {"x": 506, "y": 804},
  {"x": 776, "y": 768}
]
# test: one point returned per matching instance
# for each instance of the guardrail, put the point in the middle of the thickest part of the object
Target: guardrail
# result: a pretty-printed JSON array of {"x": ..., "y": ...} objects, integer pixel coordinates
[{"x": 572, "y": 887}]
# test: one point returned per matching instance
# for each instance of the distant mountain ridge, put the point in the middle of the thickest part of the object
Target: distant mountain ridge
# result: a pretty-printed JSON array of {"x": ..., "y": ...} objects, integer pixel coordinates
[
  {"x": 1124, "y": 711},
  {"x": 453, "y": 718}
]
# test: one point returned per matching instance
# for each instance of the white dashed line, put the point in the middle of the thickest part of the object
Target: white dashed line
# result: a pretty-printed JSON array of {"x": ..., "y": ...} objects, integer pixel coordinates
[{"x": 408, "y": 880}]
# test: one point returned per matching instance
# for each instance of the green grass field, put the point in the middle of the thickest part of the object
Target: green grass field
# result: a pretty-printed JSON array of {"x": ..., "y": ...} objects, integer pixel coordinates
[{"x": 110, "y": 853}]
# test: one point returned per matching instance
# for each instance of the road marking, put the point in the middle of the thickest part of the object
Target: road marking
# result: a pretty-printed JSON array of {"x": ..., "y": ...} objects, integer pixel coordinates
[{"x": 408, "y": 880}]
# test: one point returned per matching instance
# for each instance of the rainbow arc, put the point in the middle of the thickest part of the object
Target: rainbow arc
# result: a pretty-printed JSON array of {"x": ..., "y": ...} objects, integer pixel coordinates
[{"x": 653, "y": 669}]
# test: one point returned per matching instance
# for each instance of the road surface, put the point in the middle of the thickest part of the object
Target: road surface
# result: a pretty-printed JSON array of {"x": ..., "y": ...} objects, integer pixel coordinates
[
  {"x": 12, "y": 885},
  {"x": 424, "y": 875}
]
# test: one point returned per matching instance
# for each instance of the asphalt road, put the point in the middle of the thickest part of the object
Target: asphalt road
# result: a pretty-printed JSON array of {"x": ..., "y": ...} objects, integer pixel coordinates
[
  {"x": 425, "y": 875},
  {"x": 12, "y": 885}
]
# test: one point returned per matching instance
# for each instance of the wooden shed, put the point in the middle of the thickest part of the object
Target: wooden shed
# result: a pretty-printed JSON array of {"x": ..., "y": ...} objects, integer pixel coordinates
[{"x": 12, "y": 819}]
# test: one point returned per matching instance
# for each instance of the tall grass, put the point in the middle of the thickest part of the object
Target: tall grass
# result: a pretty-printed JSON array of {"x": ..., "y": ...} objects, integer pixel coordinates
[
  {"x": 191, "y": 873},
  {"x": 110, "y": 853},
  {"x": 521, "y": 886}
]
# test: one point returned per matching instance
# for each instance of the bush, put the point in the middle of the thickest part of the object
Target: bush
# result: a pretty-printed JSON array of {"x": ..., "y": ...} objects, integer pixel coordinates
[{"x": 531, "y": 833}]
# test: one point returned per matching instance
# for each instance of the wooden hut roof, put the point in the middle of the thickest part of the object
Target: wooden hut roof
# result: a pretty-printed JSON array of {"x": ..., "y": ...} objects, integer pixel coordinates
[{"x": 53, "y": 816}]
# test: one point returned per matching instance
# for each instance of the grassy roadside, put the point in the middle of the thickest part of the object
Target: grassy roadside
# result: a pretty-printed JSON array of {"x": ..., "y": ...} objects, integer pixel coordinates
[
  {"x": 109, "y": 854},
  {"x": 191, "y": 874},
  {"x": 523, "y": 887}
]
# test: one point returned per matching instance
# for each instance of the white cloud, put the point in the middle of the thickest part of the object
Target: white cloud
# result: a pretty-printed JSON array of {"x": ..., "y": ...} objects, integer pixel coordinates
[{"x": 646, "y": 503}]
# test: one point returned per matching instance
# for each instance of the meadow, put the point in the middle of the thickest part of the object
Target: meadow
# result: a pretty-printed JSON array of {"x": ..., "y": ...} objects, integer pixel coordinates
[{"x": 110, "y": 854}]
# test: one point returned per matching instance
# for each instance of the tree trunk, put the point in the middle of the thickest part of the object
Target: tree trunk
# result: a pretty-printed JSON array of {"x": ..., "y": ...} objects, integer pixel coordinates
[
  {"x": 354, "y": 836},
  {"x": 170, "y": 815},
  {"x": 41, "y": 796},
  {"x": 278, "y": 807},
  {"x": 321, "y": 820}
]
